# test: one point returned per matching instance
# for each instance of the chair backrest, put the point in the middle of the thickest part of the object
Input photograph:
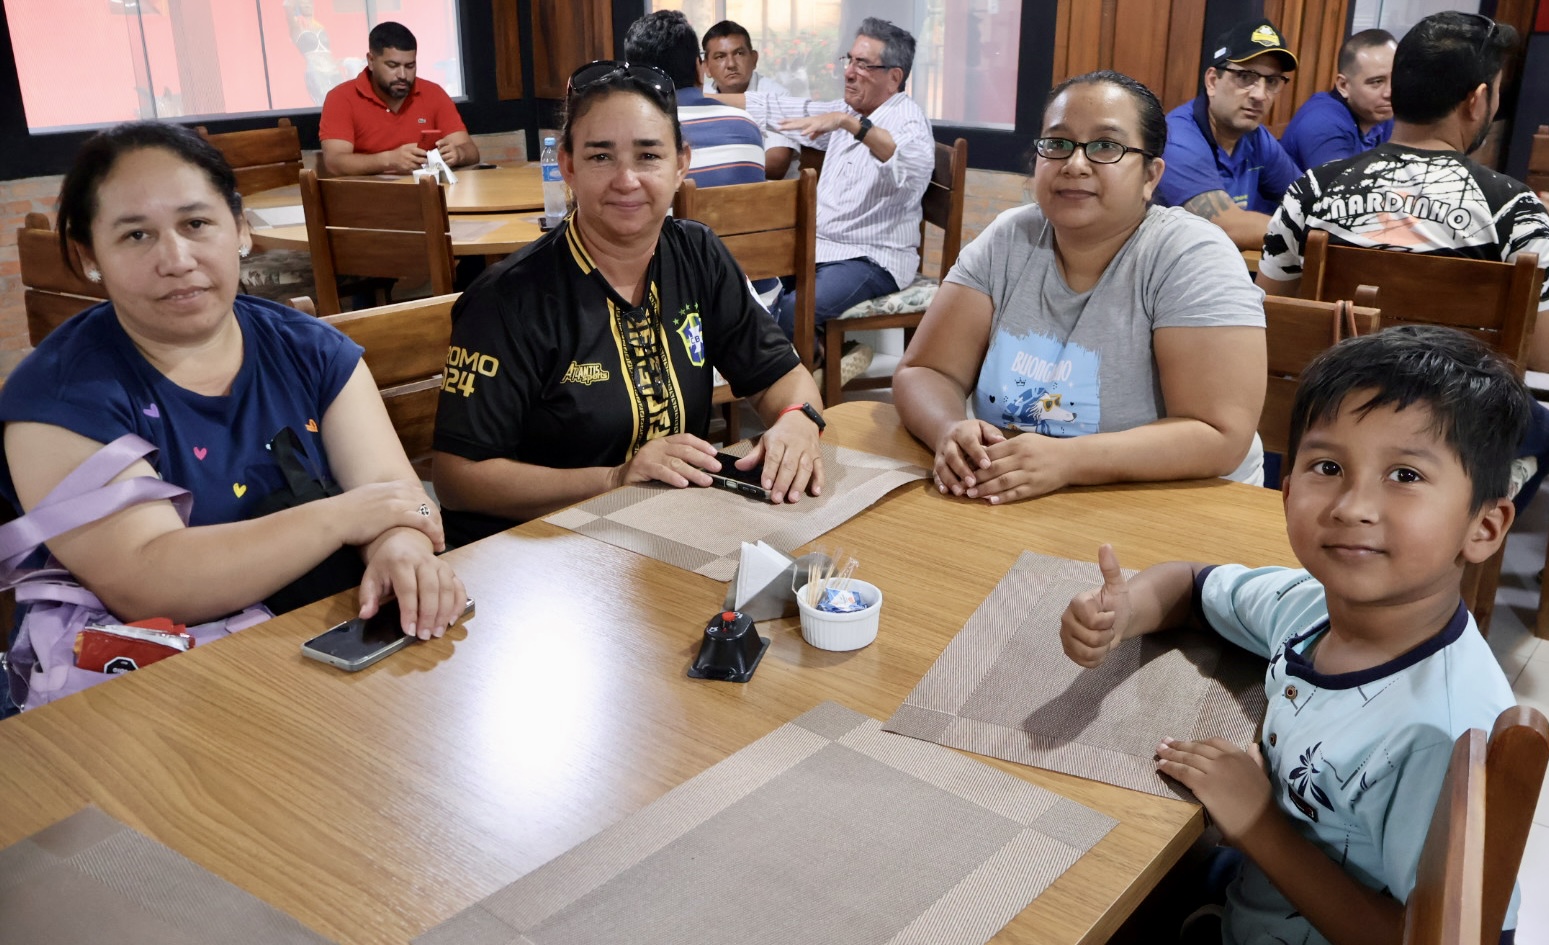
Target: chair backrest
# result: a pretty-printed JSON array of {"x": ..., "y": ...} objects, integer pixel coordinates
[
  {"x": 771, "y": 230},
  {"x": 1514, "y": 775},
  {"x": 1494, "y": 301},
  {"x": 1538, "y": 161},
  {"x": 376, "y": 228},
  {"x": 406, "y": 345},
  {"x": 263, "y": 158},
  {"x": 52, "y": 291},
  {"x": 943, "y": 202},
  {"x": 1295, "y": 332},
  {"x": 1445, "y": 907},
  {"x": 1478, "y": 832}
]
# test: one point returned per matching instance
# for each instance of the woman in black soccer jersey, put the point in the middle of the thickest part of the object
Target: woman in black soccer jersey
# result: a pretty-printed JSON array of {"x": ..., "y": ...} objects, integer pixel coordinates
[{"x": 586, "y": 361}]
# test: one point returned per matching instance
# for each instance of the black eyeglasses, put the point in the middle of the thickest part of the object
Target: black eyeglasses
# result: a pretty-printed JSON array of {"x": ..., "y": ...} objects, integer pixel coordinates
[
  {"x": 847, "y": 60},
  {"x": 1098, "y": 152},
  {"x": 605, "y": 71},
  {"x": 1247, "y": 79}
]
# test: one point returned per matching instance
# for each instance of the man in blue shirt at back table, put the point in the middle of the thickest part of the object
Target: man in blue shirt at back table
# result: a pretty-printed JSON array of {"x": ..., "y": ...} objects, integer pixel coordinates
[
  {"x": 1221, "y": 162},
  {"x": 1357, "y": 115}
]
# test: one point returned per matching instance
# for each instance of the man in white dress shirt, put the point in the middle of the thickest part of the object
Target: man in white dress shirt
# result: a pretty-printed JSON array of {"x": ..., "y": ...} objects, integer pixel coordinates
[
  {"x": 881, "y": 154},
  {"x": 731, "y": 65}
]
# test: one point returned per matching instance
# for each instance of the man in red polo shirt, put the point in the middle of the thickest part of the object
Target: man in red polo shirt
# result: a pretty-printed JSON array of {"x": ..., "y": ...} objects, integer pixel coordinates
[{"x": 373, "y": 124}]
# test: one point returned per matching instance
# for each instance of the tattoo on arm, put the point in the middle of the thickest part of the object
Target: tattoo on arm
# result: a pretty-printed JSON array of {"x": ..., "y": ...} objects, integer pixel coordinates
[{"x": 1210, "y": 204}]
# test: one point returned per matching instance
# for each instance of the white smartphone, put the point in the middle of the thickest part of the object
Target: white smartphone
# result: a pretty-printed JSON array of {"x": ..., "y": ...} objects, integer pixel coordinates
[{"x": 356, "y": 644}]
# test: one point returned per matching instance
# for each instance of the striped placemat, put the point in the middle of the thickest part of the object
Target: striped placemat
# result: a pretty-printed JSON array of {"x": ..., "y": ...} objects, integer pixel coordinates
[
  {"x": 826, "y": 830},
  {"x": 1004, "y": 687}
]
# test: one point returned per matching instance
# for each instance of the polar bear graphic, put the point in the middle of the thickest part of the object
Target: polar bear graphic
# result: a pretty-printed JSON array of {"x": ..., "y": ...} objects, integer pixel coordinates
[{"x": 1032, "y": 411}]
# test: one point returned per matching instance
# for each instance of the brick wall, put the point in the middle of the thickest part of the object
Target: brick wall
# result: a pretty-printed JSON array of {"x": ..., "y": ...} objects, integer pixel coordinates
[{"x": 989, "y": 192}]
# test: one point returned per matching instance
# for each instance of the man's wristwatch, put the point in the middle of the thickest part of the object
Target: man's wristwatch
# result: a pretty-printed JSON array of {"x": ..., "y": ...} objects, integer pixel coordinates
[
  {"x": 811, "y": 413},
  {"x": 860, "y": 133}
]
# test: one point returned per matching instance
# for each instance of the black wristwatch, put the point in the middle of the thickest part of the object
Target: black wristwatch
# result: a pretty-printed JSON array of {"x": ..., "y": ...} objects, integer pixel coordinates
[
  {"x": 811, "y": 414},
  {"x": 860, "y": 133}
]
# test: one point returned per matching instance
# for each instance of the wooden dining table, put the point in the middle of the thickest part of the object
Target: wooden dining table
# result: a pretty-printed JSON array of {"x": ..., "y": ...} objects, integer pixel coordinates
[
  {"x": 494, "y": 211},
  {"x": 373, "y": 806}
]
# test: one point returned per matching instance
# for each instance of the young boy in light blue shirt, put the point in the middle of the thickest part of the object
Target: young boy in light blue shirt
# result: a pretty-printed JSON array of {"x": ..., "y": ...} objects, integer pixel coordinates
[{"x": 1396, "y": 478}]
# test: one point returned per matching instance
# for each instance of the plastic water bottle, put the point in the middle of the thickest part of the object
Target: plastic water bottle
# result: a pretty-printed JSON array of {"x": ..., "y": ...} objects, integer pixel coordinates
[{"x": 553, "y": 185}]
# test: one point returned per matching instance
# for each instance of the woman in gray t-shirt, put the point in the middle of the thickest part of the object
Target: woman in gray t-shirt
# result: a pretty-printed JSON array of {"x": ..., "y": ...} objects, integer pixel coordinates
[{"x": 1124, "y": 341}]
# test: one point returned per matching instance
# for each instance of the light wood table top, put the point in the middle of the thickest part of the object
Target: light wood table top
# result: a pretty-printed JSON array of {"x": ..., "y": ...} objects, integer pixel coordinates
[
  {"x": 490, "y": 190},
  {"x": 376, "y": 805},
  {"x": 509, "y": 198}
]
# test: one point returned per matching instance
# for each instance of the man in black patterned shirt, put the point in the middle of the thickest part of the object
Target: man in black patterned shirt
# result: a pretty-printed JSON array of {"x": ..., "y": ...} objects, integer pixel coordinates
[{"x": 1419, "y": 192}]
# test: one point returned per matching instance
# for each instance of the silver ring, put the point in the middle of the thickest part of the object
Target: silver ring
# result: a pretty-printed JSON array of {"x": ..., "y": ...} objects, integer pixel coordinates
[{"x": 425, "y": 510}]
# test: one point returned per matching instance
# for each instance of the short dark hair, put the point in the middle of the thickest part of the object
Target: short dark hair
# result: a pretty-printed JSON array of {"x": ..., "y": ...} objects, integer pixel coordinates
[
  {"x": 620, "y": 82},
  {"x": 390, "y": 35},
  {"x": 665, "y": 39},
  {"x": 897, "y": 44},
  {"x": 1478, "y": 405},
  {"x": 723, "y": 29},
  {"x": 1442, "y": 60},
  {"x": 1365, "y": 39},
  {"x": 98, "y": 155},
  {"x": 1153, "y": 119}
]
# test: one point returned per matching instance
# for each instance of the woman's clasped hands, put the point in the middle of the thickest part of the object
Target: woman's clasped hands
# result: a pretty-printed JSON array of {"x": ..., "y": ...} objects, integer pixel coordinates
[{"x": 977, "y": 460}]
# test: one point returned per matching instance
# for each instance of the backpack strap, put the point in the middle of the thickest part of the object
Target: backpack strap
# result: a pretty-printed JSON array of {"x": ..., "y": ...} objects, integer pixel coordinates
[
  {"x": 99, "y": 468},
  {"x": 86, "y": 495}
]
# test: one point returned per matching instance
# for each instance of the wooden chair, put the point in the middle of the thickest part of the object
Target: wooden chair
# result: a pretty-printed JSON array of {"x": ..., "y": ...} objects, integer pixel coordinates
[
  {"x": 943, "y": 207},
  {"x": 1538, "y": 161},
  {"x": 1478, "y": 832},
  {"x": 376, "y": 228},
  {"x": 771, "y": 230},
  {"x": 406, "y": 346},
  {"x": 1494, "y": 301},
  {"x": 264, "y": 158},
  {"x": 1295, "y": 332},
  {"x": 52, "y": 291}
]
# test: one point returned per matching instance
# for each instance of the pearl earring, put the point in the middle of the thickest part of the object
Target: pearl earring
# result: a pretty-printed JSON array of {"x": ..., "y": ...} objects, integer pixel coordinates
[
  {"x": 93, "y": 275},
  {"x": 244, "y": 251}
]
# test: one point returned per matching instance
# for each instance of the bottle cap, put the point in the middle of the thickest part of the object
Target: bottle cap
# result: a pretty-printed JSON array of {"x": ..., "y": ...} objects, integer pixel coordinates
[{"x": 548, "y": 142}]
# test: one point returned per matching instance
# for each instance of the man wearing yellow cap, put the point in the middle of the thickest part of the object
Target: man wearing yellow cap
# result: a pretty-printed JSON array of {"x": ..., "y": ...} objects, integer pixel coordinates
[{"x": 1221, "y": 162}]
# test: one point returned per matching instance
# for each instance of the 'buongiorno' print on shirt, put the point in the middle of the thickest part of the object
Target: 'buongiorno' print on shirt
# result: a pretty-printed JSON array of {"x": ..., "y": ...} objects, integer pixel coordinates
[{"x": 1039, "y": 384}]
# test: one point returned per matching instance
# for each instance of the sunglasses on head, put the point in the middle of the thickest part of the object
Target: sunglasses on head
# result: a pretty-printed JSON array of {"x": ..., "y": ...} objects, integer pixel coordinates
[{"x": 607, "y": 71}]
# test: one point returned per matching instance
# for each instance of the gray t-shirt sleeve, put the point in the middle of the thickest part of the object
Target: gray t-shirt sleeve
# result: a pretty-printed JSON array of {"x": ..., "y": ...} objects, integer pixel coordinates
[
  {"x": 1195, "y": 277},
  {"x": 1005, "y": 244}
]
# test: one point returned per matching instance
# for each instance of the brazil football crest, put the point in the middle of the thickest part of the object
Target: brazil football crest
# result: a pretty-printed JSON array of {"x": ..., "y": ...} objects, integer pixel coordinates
[{"x": 692, "y": 330}]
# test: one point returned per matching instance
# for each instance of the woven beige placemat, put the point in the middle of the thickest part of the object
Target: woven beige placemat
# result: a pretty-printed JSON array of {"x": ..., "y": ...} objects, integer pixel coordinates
[
  {"x": 1004, "y": 687},
  {"x": 702, "y": 530},
  {"x": 825, "y": 830},
  {"x": 90, "y": 878}
]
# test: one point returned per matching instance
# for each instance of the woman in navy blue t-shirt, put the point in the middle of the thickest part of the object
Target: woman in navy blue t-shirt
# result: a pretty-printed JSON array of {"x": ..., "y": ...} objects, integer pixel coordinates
[{"x": 212, "y": 380}]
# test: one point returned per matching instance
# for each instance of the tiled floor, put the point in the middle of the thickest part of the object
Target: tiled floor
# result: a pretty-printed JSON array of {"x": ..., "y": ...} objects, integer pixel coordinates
[{"x": 1525, "y": 659}]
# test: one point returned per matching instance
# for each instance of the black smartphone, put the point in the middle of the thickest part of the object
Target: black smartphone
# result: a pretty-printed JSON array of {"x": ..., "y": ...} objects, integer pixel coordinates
[
  {"x": 356, "y": 644},
  {"x": 749, "y": 483}
]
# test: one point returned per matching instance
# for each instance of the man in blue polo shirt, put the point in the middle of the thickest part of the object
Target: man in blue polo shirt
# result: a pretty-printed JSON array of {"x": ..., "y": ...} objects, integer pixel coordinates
[
  {"x": 1357, "y": 115},
  {"x": 1221, "y": 162}
]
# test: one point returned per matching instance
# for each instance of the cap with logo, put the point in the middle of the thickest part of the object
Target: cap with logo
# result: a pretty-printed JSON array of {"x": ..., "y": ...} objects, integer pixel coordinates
[{"x": 1249, "y": 40}]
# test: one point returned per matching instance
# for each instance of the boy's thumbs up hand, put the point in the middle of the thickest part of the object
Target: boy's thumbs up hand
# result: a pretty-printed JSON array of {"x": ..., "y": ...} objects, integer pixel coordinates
[{"x": 1096, "y": 620}]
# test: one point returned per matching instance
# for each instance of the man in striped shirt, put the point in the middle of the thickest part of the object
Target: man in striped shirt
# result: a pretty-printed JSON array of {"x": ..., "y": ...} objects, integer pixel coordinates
[
  {"x": 881, "y": 154},
  {"x": 725, "y": 146}
]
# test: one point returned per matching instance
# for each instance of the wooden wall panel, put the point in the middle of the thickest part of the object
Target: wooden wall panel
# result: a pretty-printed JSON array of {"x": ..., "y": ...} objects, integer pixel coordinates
[
  {"x": 1185, "y": 37},
  {"x": 1314, "y": 30},
  {"x": 568, "y": 34},
  {"x": 1138, "y": 43},
  {"x": 508, "y": 49},
  {"x": 1156, "y": 42}
]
